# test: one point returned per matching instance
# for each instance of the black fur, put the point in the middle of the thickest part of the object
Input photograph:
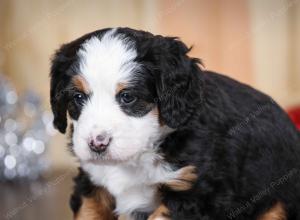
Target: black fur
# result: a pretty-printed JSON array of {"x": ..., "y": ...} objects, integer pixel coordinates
[
  {"x": 83, "y": 188},
  {"x": 244, "y": 145}
]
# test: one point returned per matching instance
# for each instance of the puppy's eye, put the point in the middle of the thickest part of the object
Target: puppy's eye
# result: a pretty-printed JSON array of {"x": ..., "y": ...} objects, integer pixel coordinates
[
  {"x": 79, "y": 98},
  {"x": 127, "y": 98}
]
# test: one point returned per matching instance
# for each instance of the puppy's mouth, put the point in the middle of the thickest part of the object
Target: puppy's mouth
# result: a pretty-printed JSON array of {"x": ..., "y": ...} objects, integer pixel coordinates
[
  {"x": 105, "y": 157},
  {"x": 96, "y": 156},
  {"x": 105, "y": 160}
]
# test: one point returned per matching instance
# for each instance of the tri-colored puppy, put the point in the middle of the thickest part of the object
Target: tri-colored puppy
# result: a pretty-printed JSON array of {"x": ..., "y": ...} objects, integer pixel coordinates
[{"x": 160, "y": 138}]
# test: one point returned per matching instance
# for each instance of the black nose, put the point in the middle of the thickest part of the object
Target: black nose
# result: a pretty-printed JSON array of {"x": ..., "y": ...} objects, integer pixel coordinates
[{"x": 99, "y": 143}]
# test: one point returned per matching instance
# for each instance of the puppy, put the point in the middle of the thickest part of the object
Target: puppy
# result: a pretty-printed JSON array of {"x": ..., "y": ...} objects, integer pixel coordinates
[{"x": 158, "y": 137}]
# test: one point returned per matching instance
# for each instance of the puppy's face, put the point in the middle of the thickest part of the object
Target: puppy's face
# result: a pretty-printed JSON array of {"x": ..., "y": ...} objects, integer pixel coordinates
[
  {"x": 111, "y": 86},
  {"x": 114, "y": 120}
]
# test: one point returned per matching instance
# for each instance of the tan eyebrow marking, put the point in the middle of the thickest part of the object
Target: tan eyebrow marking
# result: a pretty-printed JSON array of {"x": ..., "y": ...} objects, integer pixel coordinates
[
  {"x": 81, "y": 84},
  {"x": 120, "y": 87}
]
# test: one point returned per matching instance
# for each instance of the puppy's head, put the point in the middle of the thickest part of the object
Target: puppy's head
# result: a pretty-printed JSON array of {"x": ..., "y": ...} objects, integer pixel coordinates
[{"x": 123, "y": 91}]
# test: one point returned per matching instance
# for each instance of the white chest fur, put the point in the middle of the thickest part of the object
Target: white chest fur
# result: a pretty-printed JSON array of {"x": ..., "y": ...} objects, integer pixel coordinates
[{"x": 134, "y": 183}]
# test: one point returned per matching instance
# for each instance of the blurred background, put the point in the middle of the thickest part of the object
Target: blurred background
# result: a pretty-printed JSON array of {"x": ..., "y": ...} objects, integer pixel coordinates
[{"x": 253, "y": 41}]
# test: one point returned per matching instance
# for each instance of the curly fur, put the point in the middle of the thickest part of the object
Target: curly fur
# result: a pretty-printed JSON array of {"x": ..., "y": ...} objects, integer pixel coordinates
[{"x": 245, "y": 147}]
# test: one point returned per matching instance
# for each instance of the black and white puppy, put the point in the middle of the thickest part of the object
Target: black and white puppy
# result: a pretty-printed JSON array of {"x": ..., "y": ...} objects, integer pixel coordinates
[{"x": 163, "y": 139}]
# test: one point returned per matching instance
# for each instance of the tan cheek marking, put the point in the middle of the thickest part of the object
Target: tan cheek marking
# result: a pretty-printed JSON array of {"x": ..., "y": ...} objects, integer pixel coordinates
[
  {"x": 277, "y": 212},
  {"x": 99, "y": 206},
  {"x": 81, "y": 84},
  {"x": 161, "y": 213},
  {"x": 120, "y": 87},
  {"x": 188, "y": 175},
  {"x": 155, "y": 112}
]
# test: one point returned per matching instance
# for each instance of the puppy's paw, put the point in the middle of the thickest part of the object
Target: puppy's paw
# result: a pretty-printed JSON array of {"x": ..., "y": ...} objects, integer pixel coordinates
[
  {"x": 161, "y": 213},
  {"x": 185, "y": 180}
]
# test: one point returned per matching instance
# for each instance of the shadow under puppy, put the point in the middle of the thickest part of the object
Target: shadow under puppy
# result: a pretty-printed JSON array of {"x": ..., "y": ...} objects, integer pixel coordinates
[{"x": 157, "y": 137}]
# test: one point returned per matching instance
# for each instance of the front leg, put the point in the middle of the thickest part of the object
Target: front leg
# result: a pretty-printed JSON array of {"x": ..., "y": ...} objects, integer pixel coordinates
[
  {"x": 89, "y": 202},
  {"x": 98, "y": 206}
]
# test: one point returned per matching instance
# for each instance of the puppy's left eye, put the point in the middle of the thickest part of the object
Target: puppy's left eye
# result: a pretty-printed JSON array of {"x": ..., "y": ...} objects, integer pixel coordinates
[
  {"x": 79, "y": 98},
  {"x": 127, "y": 98}
]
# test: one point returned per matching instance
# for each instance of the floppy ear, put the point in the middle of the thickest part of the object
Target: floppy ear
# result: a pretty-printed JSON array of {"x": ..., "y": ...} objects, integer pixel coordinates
[
  {"x": 179, "y": 88},
  {"x": 57, "y": 94},
  {"x": 60, "y": 79}
]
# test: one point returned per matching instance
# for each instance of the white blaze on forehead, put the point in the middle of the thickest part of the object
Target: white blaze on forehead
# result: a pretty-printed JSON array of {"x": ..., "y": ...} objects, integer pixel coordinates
[{"x": 108, "y": 60}]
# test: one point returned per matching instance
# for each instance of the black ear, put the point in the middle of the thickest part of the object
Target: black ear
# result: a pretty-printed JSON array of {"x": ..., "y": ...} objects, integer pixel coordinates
[
  {"x": 179, "y": 88},
  {"x": 59, "y": 82},
  {"x": 62, "y": 65}
]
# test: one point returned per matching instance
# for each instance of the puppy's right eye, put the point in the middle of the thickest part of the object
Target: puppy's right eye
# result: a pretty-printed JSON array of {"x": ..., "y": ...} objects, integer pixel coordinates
[
  {"x": 127, "y": 98},
  {"x": 79, "y": 98}
]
